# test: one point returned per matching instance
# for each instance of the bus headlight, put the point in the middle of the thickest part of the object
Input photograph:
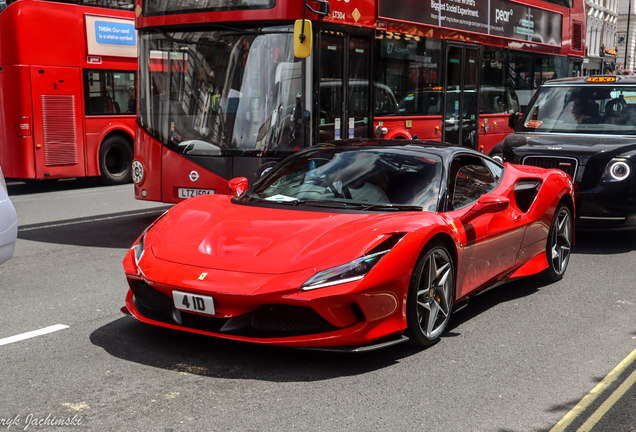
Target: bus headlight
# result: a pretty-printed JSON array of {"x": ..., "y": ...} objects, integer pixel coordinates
[
  {"x": 137, "y": 171},
  {"x": 617, "y": 170}
]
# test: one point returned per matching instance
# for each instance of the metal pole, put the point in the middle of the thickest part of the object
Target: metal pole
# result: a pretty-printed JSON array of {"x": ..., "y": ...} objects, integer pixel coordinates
[{"x": 629, "y": 14}]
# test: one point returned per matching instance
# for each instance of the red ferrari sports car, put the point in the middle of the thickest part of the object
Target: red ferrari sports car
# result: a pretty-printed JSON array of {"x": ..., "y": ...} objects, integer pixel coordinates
[{"x": 350, "y": 247}]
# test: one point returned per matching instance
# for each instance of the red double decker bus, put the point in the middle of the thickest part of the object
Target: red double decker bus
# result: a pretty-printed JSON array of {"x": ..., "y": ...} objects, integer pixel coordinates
[
  {"x": 223, "y": 93},
  {"x": 67, "y": 89}
]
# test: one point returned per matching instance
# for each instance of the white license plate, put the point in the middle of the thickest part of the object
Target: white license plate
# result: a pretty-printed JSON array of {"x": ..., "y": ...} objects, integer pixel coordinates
[
  {"x": 189, "y": 193},
  {"x": 193, "y": 302}
]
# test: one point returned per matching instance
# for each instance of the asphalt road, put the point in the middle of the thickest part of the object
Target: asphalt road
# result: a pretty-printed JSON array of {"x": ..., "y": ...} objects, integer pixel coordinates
[{"x": 520, "y": 357}]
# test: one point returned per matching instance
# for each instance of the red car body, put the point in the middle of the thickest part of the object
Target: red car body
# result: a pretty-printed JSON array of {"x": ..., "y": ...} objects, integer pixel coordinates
[{"x": 253, "y": 259}]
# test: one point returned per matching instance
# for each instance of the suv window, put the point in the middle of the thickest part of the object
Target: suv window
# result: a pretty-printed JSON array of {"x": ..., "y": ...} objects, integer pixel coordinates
[{"x": 587, "y": 109}]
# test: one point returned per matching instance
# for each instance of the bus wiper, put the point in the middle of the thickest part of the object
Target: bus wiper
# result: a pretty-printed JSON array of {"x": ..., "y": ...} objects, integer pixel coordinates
[{"x": 236, "y": 32}]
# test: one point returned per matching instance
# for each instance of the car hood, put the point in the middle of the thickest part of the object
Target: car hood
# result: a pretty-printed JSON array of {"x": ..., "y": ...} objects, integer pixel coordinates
[
  {"x": 518, "y": 145},
  {"x": 216, "y": 233}
]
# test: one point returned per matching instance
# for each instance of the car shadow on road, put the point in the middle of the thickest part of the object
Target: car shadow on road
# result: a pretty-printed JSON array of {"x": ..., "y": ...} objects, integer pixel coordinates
[
  {"x": 604, "y": 243},
  {"x": 31, "y": 187},
  {"x": 486, "y": 300},
  {"x": 131, "y": 340},
  {"x": 117, "y": 230}
]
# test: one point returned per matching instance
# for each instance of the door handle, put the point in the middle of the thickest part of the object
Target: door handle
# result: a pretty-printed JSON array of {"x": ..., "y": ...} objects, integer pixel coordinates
[{"x": 516, "y": 218}]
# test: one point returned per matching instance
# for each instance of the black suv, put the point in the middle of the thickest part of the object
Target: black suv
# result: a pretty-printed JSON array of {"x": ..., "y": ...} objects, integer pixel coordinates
[{"x": 587, "y": 128}]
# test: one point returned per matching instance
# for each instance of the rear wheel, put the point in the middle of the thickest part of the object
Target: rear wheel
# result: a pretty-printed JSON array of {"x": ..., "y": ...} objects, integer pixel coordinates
[
  {"x": 559, "y": 243},
  {"x": 431, "y": 295},
  {"x": 115, "y": 160}
]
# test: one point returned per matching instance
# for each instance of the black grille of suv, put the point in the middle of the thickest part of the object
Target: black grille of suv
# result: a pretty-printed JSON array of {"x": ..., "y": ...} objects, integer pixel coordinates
[{"x": 565, "y": 164}]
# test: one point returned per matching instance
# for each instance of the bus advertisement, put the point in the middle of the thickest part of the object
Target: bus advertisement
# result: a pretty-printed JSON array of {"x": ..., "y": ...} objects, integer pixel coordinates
[
  {"x": 68, "y": 77},
  {"x": 224, "y": 94}
]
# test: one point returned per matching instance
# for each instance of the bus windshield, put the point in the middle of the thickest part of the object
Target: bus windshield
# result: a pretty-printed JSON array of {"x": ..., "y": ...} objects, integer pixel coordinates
[
  {"x": 210, "y": 93},
  {"x": 587, "y": 109}
]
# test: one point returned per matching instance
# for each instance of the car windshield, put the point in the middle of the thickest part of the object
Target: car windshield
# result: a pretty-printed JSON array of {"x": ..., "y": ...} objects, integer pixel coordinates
[
  {"x": 358, "y": 178},
  {"x": 586, "y": 109}
]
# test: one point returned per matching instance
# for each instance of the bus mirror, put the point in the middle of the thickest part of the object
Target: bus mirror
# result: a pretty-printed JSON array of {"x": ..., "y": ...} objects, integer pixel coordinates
[{"x": 302, "y": 38}]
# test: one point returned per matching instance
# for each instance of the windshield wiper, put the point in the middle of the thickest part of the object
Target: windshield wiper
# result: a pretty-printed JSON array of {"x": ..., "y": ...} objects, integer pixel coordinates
[
  {"x": 391, "y": 207},
  {"x": 363, "y": 207}
]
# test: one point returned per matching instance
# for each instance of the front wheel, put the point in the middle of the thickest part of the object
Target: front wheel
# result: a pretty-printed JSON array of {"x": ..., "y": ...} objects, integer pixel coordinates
[
  {"x": 559, "y": 243},
  {"x": 115, "y": 160},
  {"x": 431, "y": 295}
]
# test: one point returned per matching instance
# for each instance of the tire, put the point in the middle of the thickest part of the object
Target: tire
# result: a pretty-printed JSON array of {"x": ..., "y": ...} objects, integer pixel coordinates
[
  {"x": 559, "y": 243},
  {"x": 115, "y": 160},
  {"x": 431, "y": 295}
]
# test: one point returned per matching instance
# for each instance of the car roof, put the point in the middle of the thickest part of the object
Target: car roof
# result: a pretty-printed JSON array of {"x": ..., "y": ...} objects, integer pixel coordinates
[
  {"x": 595, "y": 80},
  {"x": 444, "y": 150}
]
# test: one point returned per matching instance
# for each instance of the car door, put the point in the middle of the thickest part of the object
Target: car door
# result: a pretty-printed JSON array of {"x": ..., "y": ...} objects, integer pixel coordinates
[{"x": 491, "y": 240}]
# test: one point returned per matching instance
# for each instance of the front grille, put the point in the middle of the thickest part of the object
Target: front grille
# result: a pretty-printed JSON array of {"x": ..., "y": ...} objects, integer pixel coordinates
[
  {"x": 152, "y": 299},
  {"x": 566, "y": 164},
  {"x": 284, "y": 320},
  {"x": 265, "y": 322}
]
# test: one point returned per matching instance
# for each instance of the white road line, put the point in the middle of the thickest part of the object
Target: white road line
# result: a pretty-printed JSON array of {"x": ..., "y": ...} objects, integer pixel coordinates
[{"x": 33, "y": 333}]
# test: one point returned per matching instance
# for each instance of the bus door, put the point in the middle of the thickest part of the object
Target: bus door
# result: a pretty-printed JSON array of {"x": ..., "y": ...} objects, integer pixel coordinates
[
  {"x": 344, "y": 105},
  {"x": 461, "y": 115},
  {"x": 57, "y": 122}
]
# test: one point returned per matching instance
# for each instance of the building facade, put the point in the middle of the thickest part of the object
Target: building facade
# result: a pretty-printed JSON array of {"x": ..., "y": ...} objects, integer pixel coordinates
[
  {"x": 600, "y": 41},
  {"x": 626, "y": 36}
]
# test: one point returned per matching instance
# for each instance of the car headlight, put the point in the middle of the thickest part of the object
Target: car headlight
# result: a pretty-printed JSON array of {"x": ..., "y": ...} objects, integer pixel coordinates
[
  {"x": 140, "y": 247},
  {"x": 617, "y": 170},
  {"x": 350, "y": 272}
]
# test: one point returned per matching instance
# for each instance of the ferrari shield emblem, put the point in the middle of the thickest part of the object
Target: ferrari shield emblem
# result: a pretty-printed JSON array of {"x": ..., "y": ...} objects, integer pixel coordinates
[{"x": 203, "y": 275}]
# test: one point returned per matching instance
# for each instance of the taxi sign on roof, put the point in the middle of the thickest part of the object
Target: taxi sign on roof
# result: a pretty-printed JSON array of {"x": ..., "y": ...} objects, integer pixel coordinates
[{"x": 601, "y": 79}]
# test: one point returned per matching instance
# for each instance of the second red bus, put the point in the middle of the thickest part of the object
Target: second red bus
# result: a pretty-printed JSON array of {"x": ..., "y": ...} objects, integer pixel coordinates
[{"x": 67, "y": 89}]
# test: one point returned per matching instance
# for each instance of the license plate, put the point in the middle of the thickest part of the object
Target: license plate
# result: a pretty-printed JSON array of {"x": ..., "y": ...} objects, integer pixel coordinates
[
  {"x": 189, "y": 193},
  {"x": 193, "y": 302}
]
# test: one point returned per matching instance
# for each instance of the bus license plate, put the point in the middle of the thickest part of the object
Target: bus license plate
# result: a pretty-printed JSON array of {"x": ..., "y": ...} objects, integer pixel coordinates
[
  {"x": 193, "y": 302},
  {"x": 189, "y": 193}
]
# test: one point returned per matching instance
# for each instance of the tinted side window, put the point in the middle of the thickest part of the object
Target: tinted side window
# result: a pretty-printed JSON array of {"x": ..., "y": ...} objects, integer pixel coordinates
[
  {"x": 469, "y": 178},
  {"x": 108, "y": 92},
  {"x": 111, "y": 4}
]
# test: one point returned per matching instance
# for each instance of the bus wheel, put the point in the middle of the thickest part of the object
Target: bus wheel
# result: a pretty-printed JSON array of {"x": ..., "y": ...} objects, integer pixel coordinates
[
  {"x": 115, "y": 160},
  {"x": 265, "y": 168}
]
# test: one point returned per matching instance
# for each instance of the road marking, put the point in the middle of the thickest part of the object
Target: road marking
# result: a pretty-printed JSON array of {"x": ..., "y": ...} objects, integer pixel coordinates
[
  {"x": 33, "y": 333},
  {"x": 609, "y": 403},
  {"x": 596, "y": 392}
]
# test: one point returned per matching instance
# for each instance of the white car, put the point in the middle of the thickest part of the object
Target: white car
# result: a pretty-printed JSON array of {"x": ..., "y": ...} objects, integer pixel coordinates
[{"x": 8, "y": 223}]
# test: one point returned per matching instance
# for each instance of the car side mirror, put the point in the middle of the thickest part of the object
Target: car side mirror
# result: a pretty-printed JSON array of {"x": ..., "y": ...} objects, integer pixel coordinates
[
  {"x": 513, "y": 119},
  {"x": 238, "y": 186},
  {"x": 487, "y": 203}
]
